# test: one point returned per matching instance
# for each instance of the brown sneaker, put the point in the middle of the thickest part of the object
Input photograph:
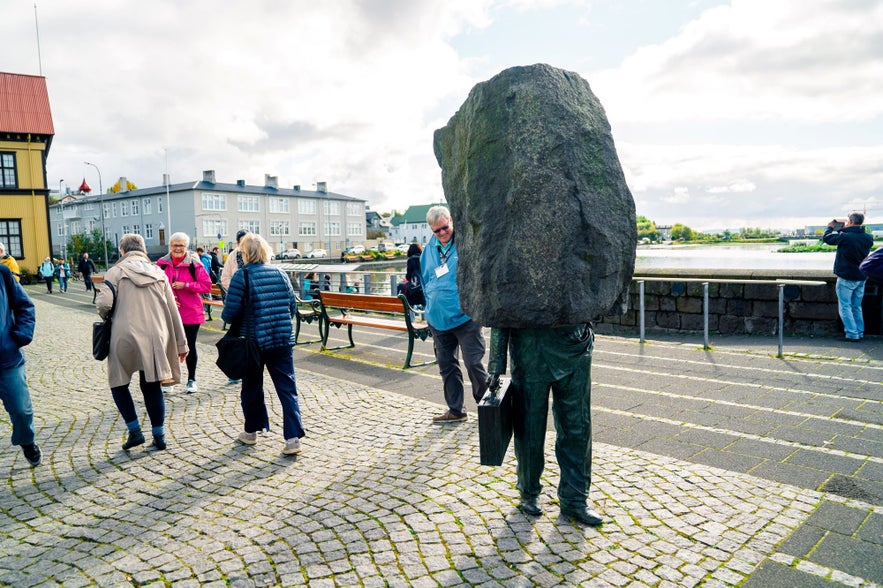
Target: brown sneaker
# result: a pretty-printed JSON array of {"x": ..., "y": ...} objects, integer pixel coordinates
[{"x": 449, "y": 417}]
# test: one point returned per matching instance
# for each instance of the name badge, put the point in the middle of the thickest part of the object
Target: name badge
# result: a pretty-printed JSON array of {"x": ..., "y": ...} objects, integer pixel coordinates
[{"x": 441, "y": 270}]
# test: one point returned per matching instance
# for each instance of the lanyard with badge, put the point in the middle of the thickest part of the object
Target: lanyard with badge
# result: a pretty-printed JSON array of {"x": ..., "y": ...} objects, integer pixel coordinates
[{"x": 443, "y": 252}]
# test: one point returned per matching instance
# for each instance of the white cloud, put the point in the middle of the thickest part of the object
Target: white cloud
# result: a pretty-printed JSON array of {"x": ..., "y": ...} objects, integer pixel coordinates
[{"x": 737, "y": 186}]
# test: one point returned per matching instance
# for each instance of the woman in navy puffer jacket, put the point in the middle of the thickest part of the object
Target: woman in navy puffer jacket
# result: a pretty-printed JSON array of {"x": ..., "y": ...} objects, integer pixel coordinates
[{"x": 266, "y": 312}]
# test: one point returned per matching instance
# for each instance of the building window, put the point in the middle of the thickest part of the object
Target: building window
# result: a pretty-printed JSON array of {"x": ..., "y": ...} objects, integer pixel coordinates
[
  {"x": 107, "y": 211},
  {"x": 354, "y": 209},
  {"x": 332, "y": 207},
  {"x": 145, "y": 204},
  {"x": 61, "y": 229},
  {"x": 279, "y": 205},
  {"x": 10, "y": 234},
  {"x": 252, "y": 226},
  {"x": 159, "y": 204},
  {"x": 124, "y": 208},
  {"x": 332, "y": 229},
  {"x": 7, "y": 172},
  {"x": 135, "y": 210},
  {"x": 247, "y": 203},
  {"x": 148, "y": 228},
  {"x": 136, "y": 229},
  {"x": 212, "y": 227},
  {"x": 280, "y": 228},
  {"x": 113, "y": 209},
  {"x": 307, "y": 229},
  {"x": 306, "y": 206},
  {"x": 214, "y": 201},
  {"x": 126, "y": 230},
  {"x": 354, "y": 229}
]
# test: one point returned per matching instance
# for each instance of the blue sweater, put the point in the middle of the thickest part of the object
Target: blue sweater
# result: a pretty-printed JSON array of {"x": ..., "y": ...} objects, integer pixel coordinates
[
  {"x": 17, "y": 320},
  {"x": 443, "y": 310},
  {"x": 266, "y": 314}
]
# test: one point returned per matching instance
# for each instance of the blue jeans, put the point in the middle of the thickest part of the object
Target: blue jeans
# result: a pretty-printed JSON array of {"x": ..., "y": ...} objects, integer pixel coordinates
[
  {"x": 280, "y": 365},
  {"x": 62, "y": 283},
  {"x": 849, "y": 299},
  {"x": 470, "y": 341},
  {"x": 17, "y": 402}
]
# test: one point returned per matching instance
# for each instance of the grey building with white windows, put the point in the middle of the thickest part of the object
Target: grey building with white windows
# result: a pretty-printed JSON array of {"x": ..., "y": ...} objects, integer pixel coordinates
[{"x": 212, "y": 212}]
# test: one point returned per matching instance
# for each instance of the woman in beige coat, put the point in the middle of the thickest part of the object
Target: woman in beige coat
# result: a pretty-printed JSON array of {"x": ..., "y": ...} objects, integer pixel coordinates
[{"x": 147, "y": 337}]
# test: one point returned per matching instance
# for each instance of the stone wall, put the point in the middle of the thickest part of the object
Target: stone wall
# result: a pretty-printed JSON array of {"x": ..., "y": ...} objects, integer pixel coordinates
[{"x": 739, "y": 308}]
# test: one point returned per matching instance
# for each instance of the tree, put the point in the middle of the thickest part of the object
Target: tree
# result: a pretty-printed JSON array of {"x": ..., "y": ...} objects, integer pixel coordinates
[
  {"x": 90, "y": 243},
  {"x": 647, "y": 229},
  {"x": 115, "y": 189},
  {"x": 681, "y": 231}
]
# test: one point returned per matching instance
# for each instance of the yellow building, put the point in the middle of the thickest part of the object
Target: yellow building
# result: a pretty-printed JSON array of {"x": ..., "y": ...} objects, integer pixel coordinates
[{"x": 26, "y": 133}]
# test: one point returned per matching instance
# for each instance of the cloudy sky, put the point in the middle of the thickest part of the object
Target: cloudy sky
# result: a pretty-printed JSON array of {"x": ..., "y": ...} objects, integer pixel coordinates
[{"x": 726, "y": 114}]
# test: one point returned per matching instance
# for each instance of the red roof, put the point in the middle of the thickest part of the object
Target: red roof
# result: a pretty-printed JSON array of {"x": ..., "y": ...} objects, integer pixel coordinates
[{"x": 24, "y": 104}]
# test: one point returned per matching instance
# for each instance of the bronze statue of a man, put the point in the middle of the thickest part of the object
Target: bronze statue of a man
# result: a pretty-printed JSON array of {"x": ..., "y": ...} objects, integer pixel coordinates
[{"x": 547, "y": 238}]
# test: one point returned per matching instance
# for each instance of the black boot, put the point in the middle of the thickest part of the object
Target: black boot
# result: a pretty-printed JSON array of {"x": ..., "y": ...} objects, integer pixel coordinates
[
  {"x": 530, "y": 505},
  {"x": 134, "y": 439},
  {"x": 159, "y": 442}
]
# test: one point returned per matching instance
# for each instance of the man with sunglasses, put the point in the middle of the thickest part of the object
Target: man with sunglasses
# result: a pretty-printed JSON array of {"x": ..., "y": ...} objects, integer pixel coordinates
[{"x": 450, "y": 327}]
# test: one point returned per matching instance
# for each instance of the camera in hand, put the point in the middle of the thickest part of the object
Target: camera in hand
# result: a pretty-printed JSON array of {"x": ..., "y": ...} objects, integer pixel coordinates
[{"x": 837, "y": 224}]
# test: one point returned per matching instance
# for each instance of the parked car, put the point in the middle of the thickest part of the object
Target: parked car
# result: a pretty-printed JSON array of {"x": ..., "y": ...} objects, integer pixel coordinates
[
  {"x": 357, "y": 249},
  {"x": 403, "y": 247},
  {"x": 386, "y": 247},
  {"x": 289, "y": 254},
  {"x": 316, "y": 253}
]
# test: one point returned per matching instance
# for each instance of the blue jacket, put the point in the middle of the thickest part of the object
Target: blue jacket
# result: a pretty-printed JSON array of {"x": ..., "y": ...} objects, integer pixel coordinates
[
  {"x": 443, "y": 310},
  {"x": 266, "y": 315},
  {"x": 17, "y": 320},
  {"x": 853, "y": 245}
]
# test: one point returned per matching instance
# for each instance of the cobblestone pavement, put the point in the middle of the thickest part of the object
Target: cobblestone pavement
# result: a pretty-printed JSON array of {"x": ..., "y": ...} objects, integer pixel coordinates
[{"x": 378, "y": 497}]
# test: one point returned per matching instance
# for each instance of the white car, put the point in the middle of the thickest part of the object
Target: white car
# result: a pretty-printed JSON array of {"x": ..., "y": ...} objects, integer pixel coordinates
[
  {"x": 357, "y": 249},
  {"x": 289, "y": 254},
  {"x": 404, "y": 247},
  {"x": 316, "y": 253}
]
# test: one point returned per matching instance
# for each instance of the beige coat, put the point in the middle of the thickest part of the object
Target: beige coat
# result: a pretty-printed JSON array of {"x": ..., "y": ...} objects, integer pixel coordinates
[{"x": 147, "y": 333}]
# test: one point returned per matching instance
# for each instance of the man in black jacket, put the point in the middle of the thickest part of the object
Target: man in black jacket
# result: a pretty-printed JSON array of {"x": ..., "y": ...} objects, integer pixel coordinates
[
  {"x": 86, "y": 267},
  {"x": 853, "y": 245}
]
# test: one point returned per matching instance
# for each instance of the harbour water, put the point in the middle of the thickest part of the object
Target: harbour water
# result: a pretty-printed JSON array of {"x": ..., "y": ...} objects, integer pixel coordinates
[{"x": 741, "y": 256}]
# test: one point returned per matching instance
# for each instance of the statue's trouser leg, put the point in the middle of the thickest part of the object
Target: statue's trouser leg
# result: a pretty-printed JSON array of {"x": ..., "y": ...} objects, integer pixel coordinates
[{"x": 560, "y": 358}]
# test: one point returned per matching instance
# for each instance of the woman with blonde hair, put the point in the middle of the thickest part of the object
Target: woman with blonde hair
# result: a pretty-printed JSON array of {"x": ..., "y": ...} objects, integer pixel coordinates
[
  {"x": 262, "y": 298},
  {"x": 147, "y": 337}
]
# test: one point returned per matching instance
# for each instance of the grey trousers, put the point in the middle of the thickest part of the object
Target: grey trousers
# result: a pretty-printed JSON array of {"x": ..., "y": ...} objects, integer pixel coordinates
[{"x": 468, "y": 339}]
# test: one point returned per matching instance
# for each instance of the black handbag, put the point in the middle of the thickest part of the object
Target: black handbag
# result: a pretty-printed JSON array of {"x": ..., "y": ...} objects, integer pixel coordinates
[
  {"x": 237, "y": 353},
  {"x": 101, "y": 330},
  {"x": 495, "y": 424}
]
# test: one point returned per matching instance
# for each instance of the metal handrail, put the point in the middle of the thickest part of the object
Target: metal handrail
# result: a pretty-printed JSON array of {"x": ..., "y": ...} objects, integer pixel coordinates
[{"x": 780, "y": 284}]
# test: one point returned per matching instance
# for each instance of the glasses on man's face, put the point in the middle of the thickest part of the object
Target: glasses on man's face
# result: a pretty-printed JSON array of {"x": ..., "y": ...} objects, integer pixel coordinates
[{"x": 441, "y": 229}]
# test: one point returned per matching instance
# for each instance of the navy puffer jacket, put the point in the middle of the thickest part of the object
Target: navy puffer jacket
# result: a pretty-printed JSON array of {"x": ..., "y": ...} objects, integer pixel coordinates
[{"x": 267, "y": 313}]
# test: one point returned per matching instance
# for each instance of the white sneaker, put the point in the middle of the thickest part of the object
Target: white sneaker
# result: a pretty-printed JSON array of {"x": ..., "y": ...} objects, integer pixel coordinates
[
  {"x": 292, "y": 446},
  {"x": 191, "y": 387},
  {"x": 167, "y": 389},
  {"x": 248, "y": 438}
]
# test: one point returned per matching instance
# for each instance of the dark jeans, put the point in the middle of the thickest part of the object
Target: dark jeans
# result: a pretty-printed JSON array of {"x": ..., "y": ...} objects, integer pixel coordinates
[
  {"x": 153, "y": 401},
  {"x": 87, "y": 279},
  {"x": 468, "y": 339},
  {"x": 190, "y": 331},
  {"x": 280, "y": 365},
  {"x": 49, "y": 281},
  {"x": 559, "y": 359}
]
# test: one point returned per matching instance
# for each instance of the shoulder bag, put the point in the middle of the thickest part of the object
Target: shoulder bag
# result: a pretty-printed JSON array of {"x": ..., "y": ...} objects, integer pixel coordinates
[
  {"x": 101, "y": 330},
  {"x": 237, "y": 353}
]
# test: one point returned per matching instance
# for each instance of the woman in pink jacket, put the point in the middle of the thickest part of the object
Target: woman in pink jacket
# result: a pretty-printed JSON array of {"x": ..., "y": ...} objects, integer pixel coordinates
[{"x": 189, "y": 282}]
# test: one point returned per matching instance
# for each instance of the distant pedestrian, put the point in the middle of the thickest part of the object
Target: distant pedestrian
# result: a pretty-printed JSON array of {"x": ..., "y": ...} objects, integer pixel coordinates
[
  {"x": 206, "y": 260},
  {"x": 216, "y": 266},
  {"x": 9, "y": 262},
  {"x": 17, "y": 320},
  {"x": 86, "y": 267},
  {"x": 63, "y": 272},
  {"x": 261, "y": 296},
  {"x": 853, "y": 245},
  {"x": 47, "y": 273},
  {"x": 189, "y": 281},
  {"x": 147, "y": 337}
]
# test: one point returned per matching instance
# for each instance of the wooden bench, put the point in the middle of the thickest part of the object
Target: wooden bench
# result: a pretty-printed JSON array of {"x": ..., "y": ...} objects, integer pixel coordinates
[
  {"x": 307, "y": 311},
  {"x": 96, "y": 284},
  {"x": 340, "y": 309}
]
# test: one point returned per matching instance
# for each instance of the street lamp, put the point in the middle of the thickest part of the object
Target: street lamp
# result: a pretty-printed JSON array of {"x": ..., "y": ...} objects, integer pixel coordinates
[
  {"x": 62, "y": 223},
  {"x": 101, "y": 204}
]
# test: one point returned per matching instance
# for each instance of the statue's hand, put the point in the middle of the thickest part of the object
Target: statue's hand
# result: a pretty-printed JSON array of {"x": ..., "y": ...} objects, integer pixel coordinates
[{"x": 493, "y": 382}]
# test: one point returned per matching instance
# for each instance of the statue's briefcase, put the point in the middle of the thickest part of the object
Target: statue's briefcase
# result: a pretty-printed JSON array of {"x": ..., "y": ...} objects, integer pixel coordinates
[{"x": 495, "y": 424}]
